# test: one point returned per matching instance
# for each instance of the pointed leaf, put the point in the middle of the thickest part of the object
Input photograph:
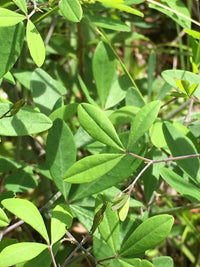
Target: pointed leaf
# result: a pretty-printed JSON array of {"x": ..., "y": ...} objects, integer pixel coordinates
[
  {"x": 103, "y": 66},
  {"x": 143, "y": 121},
  {"x": 95, "y": 122},
  {"x": 60, "y": 153},
  {"x": 35, "y": 44},
  {"x": 90, "y": 168},
  {"x": 61, "y": 218},
  {"x": 4, "y": 221},
  {"x": 20, "y": 252},
  {"x": 147, "y": 235},
  {"x": 22, "y": 5},
  {"x": 98, "y": 217},
  {"x": 28, "y": 212},
  {"x": 71, "y": 10},
  {"x": 9, "y": 18},
  {"x": 11, "y": 42},
  {"x": 180, "y": 145},
  {"x": 181, "y": 185}
]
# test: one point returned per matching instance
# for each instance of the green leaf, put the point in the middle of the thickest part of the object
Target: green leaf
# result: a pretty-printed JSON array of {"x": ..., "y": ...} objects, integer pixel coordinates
[
  {"x": 28, "y": 212},
  {"x": 163, "y": 261},
  {"x": 193, "y": 33},
  {"x": 4, "y": 221},
  {"x": 147, "y": 235},
  {"x": 103, "y": 66},
  {"x": 185, "y": 86},
  {"x": 126, "y": 166},
  {"x": 123, "y": 115},
  {"x": 65, "y": 112},
  {"x": 95, "y": 122},
  {"x": 44, "y": 87},
  {"x": 123, "y": 7},
  {"x": 22, "y": 5},
  {"x": 109, "y": 227},
  {"x": 92, "y": 167},
  {"x": 133, "y": 98},
  {"x": 123, "y": 212},
  {"x": 9, "y": 18},
  {"x": 25, "y": 180},
  {"x": 181, "y": 185},
  {"x": 71, "y": 10},
  {"x": 109, "y": 23},
  {"x": 20, "y": 252},
  {"x": 23, "y": 76},
  {"x": 170, "y": 75},
  {"x": 27, "y": 121},
  {"x": 130, "y": 262},
  {"x": 60, "y": 153},
  {"x": 180, "y": 145},
  {"x": 98, "y": 217},
  {"x": 61, "y": 218},
  {"x": 35, "y": 44},
  {"x": 143, "y": 121},
  {"x": 86, "y": 92},
  {"x": 11, "y": 42}
]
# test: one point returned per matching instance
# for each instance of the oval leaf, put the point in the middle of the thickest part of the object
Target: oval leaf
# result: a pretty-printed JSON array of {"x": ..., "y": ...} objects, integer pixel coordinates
[
  {"x": 90, "y": 168},
  {"x": 143, "y": 121},
  {"x": 71, "y": 10},
  {"x": 27, "y": 121},
  {"x": 61, "y": 218},
  {"x": 20, "y": 252},
  {"x": 147, "y": 235},
  {"x": 22, "y": 5},
  {"x": 28, "y": 212},
  {"x": 95, "y": 122},
  {"x": 35, "y": 44},
  {"x": 9, "y": 18}
]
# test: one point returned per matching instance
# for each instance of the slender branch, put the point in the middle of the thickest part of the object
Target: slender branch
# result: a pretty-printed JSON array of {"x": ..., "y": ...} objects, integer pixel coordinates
[
  {"x": 187, "y": 119},
  {"x": 77, "y": 248},
  {"x": 138, "y": 157},
  {"x": 181, "y": 107},
  {"x": 52, "y": 256},
  {"x": 10, "y": 228},
  {"x": 174, "y": 11},
  {"x": 138, "y": 176},
  {"x": 177, "y": 209},
  {"x": 50, "y": 32}
]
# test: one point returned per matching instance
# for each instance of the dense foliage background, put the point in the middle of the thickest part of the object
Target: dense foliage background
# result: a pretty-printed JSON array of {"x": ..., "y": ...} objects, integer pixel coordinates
[{"x": 99, "y": 126}]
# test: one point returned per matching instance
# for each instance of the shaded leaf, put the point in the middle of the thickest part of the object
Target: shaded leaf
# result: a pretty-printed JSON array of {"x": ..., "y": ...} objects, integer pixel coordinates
[
  {"x": 180, "y": 145},
  {"x": 143, "y": 121},
  {"x": 11, "y": 42},
  {"x": 103, "y": 66},
  {"x": 60, "y": 153},
  {"x": 27, "y": 121},
  {"x": 44, "y": 87},
  {"x": 181, "y": 185}
]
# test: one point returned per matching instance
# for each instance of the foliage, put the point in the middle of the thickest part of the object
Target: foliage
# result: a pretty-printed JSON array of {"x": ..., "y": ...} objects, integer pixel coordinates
[{"x": 97, "y": 130}]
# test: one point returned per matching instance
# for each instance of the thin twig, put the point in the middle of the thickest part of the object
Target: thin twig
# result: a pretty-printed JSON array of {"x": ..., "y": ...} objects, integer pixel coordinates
[
  {"x": 10, "y": 228},
  {"x": 50, "y": 32},
  {"x": 52, "y": 256},
  {"x": 187, "y": 119}
]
